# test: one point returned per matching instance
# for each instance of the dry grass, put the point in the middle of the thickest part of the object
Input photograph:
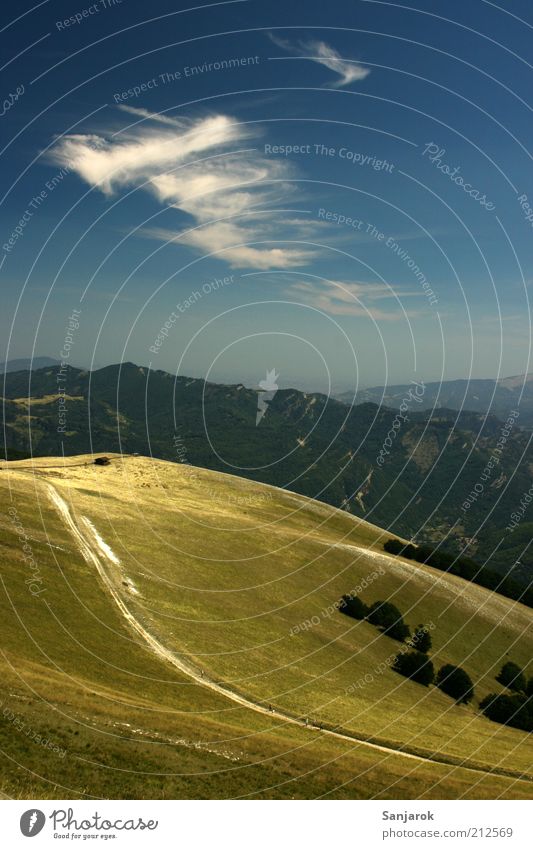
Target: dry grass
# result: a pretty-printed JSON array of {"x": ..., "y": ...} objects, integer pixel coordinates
[{"x": 222, "y": 571}]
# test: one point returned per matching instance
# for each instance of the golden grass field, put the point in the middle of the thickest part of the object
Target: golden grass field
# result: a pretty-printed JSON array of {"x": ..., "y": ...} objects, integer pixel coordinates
[{"x": 166, "y": 655}]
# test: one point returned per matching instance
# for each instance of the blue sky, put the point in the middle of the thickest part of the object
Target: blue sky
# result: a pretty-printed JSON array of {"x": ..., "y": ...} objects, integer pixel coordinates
[{"x": 338, "y": 191}]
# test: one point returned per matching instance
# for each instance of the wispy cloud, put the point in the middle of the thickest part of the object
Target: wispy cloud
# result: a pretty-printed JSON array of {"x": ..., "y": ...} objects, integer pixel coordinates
[
  {"x": 110, "y": 163},
  {"x": 232, "y": 243},
  {"x": 352, "y": 299},
  {"x": 194, "y": 168},
  {"x": 348, "y": 70},
  {"x": 152, "y": 116}
]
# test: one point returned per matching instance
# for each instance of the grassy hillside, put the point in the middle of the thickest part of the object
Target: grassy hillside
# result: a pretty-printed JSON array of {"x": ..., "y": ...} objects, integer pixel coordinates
[
  {"x": 307, "y": 443},
  {"x": 222, "y": 574}
]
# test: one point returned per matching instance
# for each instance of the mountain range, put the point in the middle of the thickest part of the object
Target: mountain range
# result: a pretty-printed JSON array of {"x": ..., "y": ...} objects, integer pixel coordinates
[
  {"x": 27, "y": 364},
  {"x": 495, "y": 397}
]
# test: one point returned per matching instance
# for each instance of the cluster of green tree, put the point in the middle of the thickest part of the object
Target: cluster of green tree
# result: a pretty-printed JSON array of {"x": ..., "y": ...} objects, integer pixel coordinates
[
  {"x": 415, "y": 664},
  {"x": 13, "y": 454},
  {"x": 464, "y": 567},
  {"x": 382, "y": 614},
  {"x": 418, "y": 666},
  {"x": 514, "y": 708},
  {"x": 452, "y": 680}
]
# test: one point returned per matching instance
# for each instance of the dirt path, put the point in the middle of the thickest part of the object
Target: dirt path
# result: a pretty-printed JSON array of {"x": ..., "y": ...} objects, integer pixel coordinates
[{"x": 92, "y": 550}]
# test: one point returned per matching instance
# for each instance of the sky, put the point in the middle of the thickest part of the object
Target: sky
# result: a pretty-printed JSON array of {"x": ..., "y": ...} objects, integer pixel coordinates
[{"x": 341, "y": 192}]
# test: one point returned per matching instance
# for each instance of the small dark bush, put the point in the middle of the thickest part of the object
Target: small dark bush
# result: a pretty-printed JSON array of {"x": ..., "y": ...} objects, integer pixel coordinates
[
  {"x": 512, "y": 677},
  {"x": 455, "y": 682},
  {"x": 352, "y": 606},
  {"x": 416, "y": 666},
  {"x": 421, "y": 639},
  {"x": 393, "y": 546},
  {"x": 515, "y": 710},
  {"x": 386, "y": 616},
  {"x": 102, "y": 461}
]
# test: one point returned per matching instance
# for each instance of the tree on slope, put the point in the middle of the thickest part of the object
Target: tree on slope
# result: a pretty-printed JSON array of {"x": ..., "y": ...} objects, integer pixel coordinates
[
  {"x": 416, "y": 666},
  {"x": 512, "y": 677},
  {"x": 386, "y": 616},
  {"x": 455, "y": 682},
  {"x": 421, "y": 639}
]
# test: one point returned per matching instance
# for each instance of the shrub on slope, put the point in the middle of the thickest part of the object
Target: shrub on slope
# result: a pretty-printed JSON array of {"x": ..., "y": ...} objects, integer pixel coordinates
[
  {"x": 455, "y": 682},
  {"x": 416, "y": 666}
]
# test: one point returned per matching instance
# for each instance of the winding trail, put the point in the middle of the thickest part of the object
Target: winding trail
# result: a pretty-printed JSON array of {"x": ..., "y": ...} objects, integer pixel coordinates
[{"x": 93, "y": 547}]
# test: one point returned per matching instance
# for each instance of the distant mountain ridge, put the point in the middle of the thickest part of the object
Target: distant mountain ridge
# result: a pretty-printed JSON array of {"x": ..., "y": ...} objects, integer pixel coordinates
[
  {"x": 27, "y": 364},
  {"x": 497, "y": 397},
  {"x": 414, "y": 479}
]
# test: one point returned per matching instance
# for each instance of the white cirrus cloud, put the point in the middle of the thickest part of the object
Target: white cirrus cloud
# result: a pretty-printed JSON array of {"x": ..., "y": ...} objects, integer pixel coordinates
[
  {"x": 235, "y": 244},
  {"x": 194, "y": 168},
  {"x": 109, "y": 163},
  {"x": 352, "y": 299},
  {"x": 151, "y": 116},
  {"x": 348, "y": 70}
]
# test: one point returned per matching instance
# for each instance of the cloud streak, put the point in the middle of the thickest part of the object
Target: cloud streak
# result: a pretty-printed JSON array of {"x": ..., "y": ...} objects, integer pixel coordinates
[
  {"x": 194, "y": 168},
  {"x": 351, "y": 299},
  {"x": 348, "y": 70},
  {"x": 151, "y": 116}
]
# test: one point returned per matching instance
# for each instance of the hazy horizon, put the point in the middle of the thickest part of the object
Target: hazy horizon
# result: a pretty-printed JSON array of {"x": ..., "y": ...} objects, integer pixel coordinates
[{"x": 251, "y": 381}]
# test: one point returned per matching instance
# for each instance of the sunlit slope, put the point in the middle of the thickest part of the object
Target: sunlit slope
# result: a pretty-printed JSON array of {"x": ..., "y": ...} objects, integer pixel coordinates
[
  {"x": 119, "y": 722},
  {"x": 223, "y": 572}
]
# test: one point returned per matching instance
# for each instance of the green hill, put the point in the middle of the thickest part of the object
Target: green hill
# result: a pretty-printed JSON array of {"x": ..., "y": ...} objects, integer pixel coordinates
[{"x": 171, "y": 632}]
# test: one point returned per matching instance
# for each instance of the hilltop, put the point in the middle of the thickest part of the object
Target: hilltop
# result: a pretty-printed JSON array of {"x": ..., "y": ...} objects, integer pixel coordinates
[{"x": 156, "y": 634}]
